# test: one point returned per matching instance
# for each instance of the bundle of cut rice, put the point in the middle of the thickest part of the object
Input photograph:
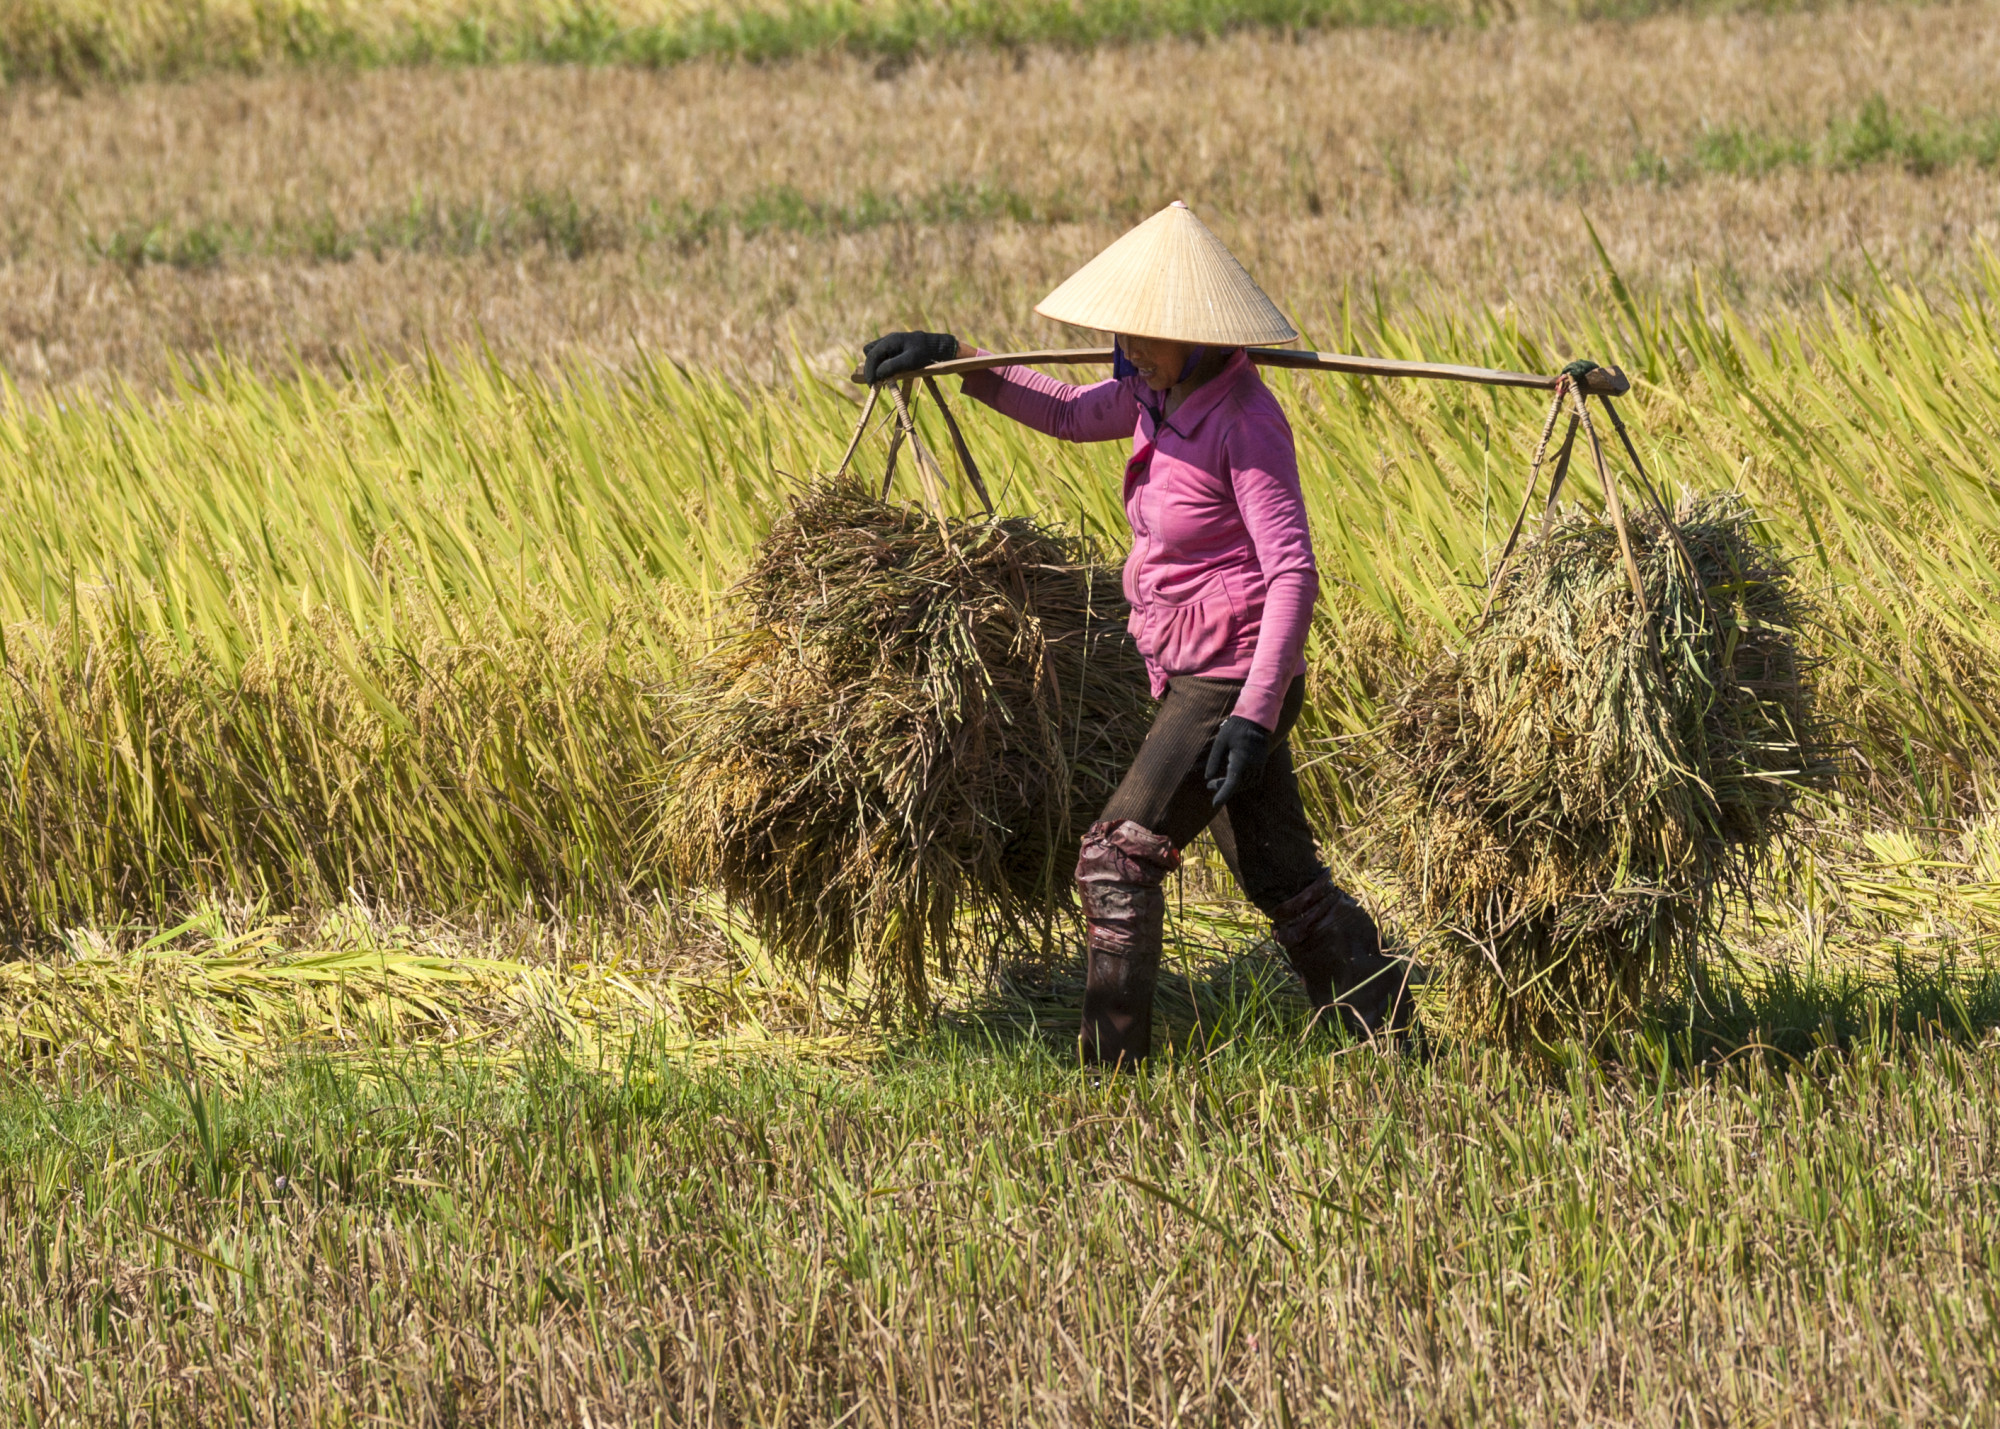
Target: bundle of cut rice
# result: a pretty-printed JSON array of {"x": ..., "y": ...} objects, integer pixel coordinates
[
  {"x": 917, "y": 721},
  {"x": 1576, "y": 784}
]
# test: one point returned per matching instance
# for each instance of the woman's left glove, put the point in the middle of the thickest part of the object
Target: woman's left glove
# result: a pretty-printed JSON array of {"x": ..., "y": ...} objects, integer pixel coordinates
[
  {"x": 1236, "y": 759},
  {"x": 898, "y": 352}
]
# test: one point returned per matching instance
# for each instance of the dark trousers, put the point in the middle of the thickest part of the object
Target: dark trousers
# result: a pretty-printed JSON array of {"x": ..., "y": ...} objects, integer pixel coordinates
[{"x": 1263, "y": 833}]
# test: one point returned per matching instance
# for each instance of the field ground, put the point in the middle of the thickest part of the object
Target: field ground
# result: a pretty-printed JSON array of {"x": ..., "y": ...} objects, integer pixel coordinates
[
  {"x": 964, "y": 1231},
  {"x": 360, "y": 1066}
]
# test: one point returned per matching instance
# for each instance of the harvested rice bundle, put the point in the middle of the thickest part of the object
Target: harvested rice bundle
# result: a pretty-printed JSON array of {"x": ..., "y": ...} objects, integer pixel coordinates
[
  {"x": 917, "y": 720},
  {"x": 1577, "y": 784}
]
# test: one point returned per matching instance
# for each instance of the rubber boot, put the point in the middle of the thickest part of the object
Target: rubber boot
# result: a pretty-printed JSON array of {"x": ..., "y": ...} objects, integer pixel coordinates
[
  {"x": 1336, "y": 950},
  {"x": 1118, "y": 880}
]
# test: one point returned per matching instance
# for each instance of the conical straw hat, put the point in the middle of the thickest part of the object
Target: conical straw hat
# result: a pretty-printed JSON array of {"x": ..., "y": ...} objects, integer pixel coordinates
[{"x": 1169, "y": 278}]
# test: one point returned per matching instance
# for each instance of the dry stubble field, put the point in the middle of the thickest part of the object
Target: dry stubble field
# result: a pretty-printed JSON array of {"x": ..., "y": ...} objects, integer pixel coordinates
[
  {"x": 718, "y": 214},
  {"x": 524, "y": 1140}
]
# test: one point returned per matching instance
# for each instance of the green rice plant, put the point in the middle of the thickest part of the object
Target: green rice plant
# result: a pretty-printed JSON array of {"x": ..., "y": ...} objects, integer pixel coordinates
[
  {"x": 297, "y": 647},
  {"x": 414, "y": 635}
]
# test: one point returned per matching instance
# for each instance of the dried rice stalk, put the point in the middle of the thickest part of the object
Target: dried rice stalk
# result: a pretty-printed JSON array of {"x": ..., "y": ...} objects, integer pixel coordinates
[
  {"x": 1576, "y": 785},
  {"x": 229, "y": 991},
  {"x": 918, "y": 720}
]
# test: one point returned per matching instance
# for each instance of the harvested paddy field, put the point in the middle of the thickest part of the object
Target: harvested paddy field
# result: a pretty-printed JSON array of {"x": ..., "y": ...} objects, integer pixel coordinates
[
  {"x": 968, "y": 1236},
  {"x": 390, "y": 429},
  {"x": 721, "y": 214}
]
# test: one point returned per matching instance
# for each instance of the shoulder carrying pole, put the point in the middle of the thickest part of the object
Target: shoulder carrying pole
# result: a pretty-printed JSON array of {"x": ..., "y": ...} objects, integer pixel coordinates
[
  {"x": 1599, "y": 381},
  {"x": 1580, "y": 378}
]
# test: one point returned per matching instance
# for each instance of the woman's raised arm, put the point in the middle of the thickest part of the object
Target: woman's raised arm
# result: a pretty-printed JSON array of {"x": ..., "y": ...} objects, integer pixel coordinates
[{"x": 1101, "y": 412}]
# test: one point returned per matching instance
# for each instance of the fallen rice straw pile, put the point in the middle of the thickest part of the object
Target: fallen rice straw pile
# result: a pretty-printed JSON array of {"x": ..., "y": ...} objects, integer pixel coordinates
[
  {"x": 900, "y": 751},
  {"x": 1576, "y": 785},
  {"x": 226, "y": 993}
]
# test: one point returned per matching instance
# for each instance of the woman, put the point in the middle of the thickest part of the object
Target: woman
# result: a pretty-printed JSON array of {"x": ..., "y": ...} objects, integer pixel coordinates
[{"x": 1221, "y": 582}]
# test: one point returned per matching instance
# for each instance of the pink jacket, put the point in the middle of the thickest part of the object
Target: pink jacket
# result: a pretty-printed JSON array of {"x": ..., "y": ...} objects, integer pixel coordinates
[{"x": 1221, "y": 576}]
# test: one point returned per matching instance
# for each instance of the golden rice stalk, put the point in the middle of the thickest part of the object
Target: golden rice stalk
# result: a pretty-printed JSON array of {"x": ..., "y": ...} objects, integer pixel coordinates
[
  {"x": 1575, "y": 785},
  {"x": 210, "y": 997},
  {"x": 917, "y": 721}
]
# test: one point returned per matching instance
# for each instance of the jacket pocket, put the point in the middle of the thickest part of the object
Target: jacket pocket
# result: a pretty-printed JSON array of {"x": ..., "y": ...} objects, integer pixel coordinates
[{"x": 1194, "y": 635}]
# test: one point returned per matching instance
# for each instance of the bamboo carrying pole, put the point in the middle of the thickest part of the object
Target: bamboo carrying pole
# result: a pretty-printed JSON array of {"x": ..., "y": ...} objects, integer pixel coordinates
[{"x": 1600, "y": 382}]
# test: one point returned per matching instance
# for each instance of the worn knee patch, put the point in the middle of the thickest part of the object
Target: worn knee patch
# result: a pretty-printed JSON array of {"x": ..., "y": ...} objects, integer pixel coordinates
[
  {"x": 1118, "y": 879},
  {"x": 1125, "y": 852}
]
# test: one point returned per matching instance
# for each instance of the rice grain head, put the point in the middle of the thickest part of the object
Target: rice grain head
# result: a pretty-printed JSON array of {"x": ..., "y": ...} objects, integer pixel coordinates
[
  {"x": 1578, "y": 783},
  {"x": 897, "y": 754}
]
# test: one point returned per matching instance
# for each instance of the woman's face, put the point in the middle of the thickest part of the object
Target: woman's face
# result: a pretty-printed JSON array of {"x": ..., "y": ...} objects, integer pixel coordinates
[{"x": 1158, "y": 360}]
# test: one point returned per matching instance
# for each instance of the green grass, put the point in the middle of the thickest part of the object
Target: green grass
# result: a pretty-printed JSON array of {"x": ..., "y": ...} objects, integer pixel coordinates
[
  {"x": 77, "y": 40},
  {"x": 967, "y": 1231},
  {"x": 1876, "y": 134}
]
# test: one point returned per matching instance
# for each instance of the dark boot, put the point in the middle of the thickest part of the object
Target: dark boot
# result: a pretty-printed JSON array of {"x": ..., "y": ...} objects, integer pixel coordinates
[
  {"x": 1118, "y": 879},
  {"x": 1336, "y": 950}
]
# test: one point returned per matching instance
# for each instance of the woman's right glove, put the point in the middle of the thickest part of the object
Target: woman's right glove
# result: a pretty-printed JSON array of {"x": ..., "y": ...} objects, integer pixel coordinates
[{"x": 894, "y": 353}]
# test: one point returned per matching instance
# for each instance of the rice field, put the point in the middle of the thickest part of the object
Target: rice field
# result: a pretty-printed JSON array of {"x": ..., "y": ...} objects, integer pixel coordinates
[
  {"x": 79, "y": 40},
  {"x": 345, "y": 962},
  {"x": 720, "y": 215},
  {"x": 969, "y": 1233},
  {"x": 415, "y": 635},
  {"x": 394, "y": 398}
]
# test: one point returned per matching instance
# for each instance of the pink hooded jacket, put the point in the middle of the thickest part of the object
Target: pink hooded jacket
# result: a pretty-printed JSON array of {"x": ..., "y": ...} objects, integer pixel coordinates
[{"x": 1221, "y": 576}]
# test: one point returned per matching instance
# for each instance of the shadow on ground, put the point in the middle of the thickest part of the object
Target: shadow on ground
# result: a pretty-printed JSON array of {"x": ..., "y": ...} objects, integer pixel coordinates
[
  {"x": 1795, "y": 1012},
  {"x": 1223, "y": 981}
]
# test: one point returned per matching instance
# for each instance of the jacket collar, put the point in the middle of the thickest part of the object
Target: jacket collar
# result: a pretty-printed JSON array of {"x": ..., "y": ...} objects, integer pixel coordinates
[{"x": 1187, "y": 417}]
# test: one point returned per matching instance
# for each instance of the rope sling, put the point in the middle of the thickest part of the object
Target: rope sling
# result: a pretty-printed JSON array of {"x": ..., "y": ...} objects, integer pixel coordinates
[{"x": 1571, "y": 387}]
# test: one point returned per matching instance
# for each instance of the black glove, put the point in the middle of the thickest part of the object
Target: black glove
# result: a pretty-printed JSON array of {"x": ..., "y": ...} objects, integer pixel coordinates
[
  {"x": 894, "y": 353},
  {"x": 1236, "y": 759}
]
